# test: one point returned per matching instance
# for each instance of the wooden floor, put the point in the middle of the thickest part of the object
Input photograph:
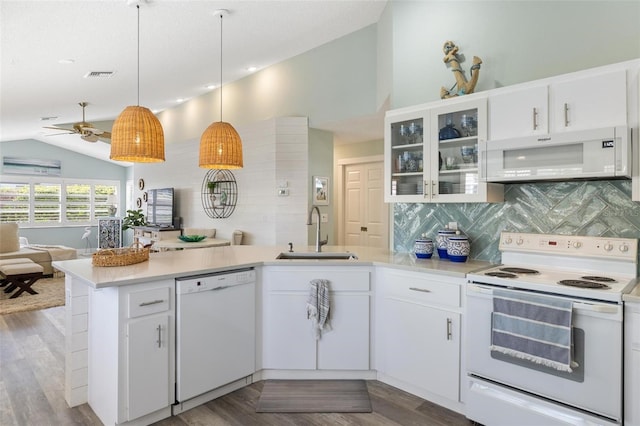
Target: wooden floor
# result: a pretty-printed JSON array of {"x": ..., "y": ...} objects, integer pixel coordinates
[{"x": 32, "y": 389}]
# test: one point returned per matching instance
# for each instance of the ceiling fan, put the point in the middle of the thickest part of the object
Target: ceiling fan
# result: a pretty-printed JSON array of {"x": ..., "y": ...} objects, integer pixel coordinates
[{"x": 86, "y": 130}]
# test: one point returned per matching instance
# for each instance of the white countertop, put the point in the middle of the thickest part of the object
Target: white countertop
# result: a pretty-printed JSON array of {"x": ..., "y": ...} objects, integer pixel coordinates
[{"x": 173, "y": 264}]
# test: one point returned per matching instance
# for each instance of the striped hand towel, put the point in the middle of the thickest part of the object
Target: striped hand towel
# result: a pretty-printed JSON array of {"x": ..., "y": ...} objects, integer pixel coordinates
[
  {"x": 318, "y": 306},
  {"x": 533, "y": 327}
]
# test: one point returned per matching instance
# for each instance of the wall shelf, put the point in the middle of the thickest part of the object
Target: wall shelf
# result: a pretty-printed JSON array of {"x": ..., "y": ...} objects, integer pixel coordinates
[{"x": 219, "y": 201}]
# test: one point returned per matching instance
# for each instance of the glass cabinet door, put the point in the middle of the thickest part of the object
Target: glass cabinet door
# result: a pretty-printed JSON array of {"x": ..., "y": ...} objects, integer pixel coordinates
[
  {"x": 455, "y": 135},
  {"x": 405, "y": 157}
]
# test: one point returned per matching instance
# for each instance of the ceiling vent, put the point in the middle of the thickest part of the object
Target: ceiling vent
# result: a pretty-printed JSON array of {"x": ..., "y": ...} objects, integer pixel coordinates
[{"x": 99, "y": 74}]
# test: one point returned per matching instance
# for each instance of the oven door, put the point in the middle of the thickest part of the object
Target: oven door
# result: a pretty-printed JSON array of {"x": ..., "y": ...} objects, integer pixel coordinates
[
  {"x": 595, "y": 386},
  {"x": 598, "y": 153}
]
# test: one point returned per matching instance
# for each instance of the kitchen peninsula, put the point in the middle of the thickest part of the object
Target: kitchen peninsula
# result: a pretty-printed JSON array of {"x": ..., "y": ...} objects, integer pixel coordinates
[{"x": 121, "y": 322}]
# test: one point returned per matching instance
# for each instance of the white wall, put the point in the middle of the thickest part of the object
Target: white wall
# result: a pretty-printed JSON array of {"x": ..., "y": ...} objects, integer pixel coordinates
[
  {"x": 518, "y": 41},
  {"x": 274, "y": 150}
]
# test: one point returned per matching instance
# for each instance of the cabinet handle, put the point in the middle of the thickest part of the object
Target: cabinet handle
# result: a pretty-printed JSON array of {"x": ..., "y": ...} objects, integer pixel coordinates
[
  {"x": 566, "y": 115},
  {"x": 535, "y": 118},
  {"x": 449, "y": 333},
  {"x": 153, "y": 302},
  {"x": 423, "y": 290},
  {"x": 159, "y": 336},
  {"x": 222, "y": 287},
  {"x": 425, "y": 189},
  {"x": 434, "y": 193}
]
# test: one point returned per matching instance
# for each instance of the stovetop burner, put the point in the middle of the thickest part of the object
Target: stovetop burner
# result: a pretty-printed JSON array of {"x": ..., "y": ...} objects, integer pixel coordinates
[
  {"x": 599, "y": 279},
  {"x": 584, "y": 284},
  {"x": 519, "y": 270},
  {"x": 498, "y": 274}
]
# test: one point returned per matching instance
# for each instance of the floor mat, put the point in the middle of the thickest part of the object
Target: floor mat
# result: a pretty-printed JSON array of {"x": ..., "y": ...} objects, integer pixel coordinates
[{"x": 314, "y": 396}]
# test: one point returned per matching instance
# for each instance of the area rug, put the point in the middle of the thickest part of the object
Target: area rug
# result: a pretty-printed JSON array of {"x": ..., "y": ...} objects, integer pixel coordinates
[
  {"x": 50, "y": 294},
  {"x": 314, "y": 396}
]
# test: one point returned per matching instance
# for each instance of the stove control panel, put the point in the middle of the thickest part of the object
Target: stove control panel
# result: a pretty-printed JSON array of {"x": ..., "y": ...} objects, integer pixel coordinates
[{"x": 618, "y": 248}]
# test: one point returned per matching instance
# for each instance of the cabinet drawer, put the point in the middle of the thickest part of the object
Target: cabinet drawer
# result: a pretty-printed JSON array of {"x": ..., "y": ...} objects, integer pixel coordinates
[
  {"x": 422, "y": 288},
  {"x": 298, "y": 279},
  {"x": 148, "y": 302}
]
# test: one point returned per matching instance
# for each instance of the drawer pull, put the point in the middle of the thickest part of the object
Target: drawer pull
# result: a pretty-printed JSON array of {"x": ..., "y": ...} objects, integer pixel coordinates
[
  {"x": 423, "y": 290},
  {"x": 153, "y": 302},
  {"x": 449, "y": 333},
  {"x": 159, "y": 336}
]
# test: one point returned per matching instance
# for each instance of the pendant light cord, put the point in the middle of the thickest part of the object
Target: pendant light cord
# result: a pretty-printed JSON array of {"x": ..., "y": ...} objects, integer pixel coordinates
[
  {"x": 221, "y": 66},
  {"x": 138, "y": 7}
]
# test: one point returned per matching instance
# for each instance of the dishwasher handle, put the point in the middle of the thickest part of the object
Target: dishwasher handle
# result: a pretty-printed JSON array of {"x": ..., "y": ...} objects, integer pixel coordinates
[{"x": 222, "y": 287}]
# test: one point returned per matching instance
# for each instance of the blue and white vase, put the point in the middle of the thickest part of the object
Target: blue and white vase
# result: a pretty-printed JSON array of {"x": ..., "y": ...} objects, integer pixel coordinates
[
  {"x": 442, "y": 240},
  {"x": 423, "y": 248},
  {"x": 458, "y": 248}
]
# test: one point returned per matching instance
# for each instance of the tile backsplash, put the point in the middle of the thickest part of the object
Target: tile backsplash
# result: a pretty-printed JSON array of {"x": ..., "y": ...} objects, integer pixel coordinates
[{"x": 597, "y": 208}]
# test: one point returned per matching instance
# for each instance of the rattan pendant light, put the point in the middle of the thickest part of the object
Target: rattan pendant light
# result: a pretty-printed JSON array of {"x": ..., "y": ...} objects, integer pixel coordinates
[
  {"x": 220, "y": 144},
  {"x": 137, "y": 134}
]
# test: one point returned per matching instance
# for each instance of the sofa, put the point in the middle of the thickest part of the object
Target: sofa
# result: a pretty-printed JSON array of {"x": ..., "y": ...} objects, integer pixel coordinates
[{"x": 11, "y": 248}]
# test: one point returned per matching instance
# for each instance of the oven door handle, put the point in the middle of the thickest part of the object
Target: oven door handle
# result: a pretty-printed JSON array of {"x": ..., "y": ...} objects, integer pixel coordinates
[{"x": 605, "y": 309}]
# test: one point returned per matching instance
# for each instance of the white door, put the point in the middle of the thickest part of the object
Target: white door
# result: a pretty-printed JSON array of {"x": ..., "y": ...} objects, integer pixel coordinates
[{"x": 366, "y": 216}]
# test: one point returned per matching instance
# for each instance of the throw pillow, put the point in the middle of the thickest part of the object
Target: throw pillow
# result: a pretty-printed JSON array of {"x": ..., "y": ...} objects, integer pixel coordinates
[{"x": 9, "y": 237}]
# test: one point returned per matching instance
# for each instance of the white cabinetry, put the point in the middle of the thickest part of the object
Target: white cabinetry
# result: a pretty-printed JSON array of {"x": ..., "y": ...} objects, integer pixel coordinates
[
  {"x": 131, "y": 347},
  {"x": 433, "y": 153},
  {"x": 632, "y": 364},
  {"x": 572, "y": 102},
  {"x": 288, "y": 338},
  {"x": 418, "y": 327}
]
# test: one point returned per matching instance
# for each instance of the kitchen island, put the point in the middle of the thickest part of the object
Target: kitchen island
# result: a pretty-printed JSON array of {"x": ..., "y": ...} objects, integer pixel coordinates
[{"x": 112, "y": 363}]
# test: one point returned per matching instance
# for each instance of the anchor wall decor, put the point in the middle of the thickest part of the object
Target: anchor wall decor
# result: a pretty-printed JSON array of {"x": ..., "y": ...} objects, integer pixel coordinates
[{"x": 464, "y": 87}]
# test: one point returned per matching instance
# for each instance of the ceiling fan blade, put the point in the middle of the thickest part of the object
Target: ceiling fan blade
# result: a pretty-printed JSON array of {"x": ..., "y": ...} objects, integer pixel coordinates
[
  {"x": 60, "y": 128},
  {"x": 90, "y": 138},
  {"x": 58, "y": 134},
  {"x": 105, "y": 135}
]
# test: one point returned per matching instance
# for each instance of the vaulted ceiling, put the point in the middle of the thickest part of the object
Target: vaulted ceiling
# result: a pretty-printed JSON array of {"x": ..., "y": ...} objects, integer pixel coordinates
[{"x": 48, "y": 49}]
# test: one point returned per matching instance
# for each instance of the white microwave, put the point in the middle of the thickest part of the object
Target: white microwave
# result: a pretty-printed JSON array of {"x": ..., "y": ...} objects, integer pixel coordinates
[{"x": 588, "y": 154}]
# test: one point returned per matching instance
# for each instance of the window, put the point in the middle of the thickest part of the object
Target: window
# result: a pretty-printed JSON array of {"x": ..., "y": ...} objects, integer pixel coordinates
[{"x": 36, "y": 201}]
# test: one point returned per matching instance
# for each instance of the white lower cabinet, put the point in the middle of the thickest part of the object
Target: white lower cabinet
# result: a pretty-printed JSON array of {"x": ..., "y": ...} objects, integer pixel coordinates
[
  {"x": 418, "y": 327},
  {"x": 131, "y": 352},
  {"x": 289, "y": 341},
  {"x": 147, "y": 361},
  {"x": 632, "y": 364}
]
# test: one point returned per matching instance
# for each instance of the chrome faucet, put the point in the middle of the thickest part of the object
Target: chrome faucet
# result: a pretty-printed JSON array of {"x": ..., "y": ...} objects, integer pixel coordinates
[{"x": 319, "y": 243}]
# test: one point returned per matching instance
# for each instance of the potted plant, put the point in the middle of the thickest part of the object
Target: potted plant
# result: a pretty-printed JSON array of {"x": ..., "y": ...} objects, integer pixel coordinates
[
  {"x": 211, "y": 185},
  {"x": 132, "y": 219}
]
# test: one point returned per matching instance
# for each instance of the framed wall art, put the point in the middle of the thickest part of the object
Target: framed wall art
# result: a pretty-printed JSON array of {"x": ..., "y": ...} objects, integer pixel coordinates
[{"x": 320, "y": 191}]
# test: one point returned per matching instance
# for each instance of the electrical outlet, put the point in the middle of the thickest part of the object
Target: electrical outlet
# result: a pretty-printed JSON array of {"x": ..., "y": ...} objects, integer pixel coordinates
[
  {"x": 283, "y": 192},
  {"x": 453, "y": 226},
  {"x": 324, "y": 217}
]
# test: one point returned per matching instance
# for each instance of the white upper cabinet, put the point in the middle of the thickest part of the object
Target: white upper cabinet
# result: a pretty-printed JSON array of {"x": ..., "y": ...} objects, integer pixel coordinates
[
  {"x": 432, "y": 153},
  {"x": 567, "y": 103},
  {"x": 518, "y": 113},
  {"x": 591, "y": 101}
]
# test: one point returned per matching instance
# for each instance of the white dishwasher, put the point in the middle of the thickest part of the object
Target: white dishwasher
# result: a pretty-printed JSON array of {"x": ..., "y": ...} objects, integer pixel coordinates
[{"x": 215, "y": 331}]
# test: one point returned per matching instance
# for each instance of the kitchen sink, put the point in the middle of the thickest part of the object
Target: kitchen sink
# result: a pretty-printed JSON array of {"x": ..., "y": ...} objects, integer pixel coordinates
[{"x": 317, "y": 256}]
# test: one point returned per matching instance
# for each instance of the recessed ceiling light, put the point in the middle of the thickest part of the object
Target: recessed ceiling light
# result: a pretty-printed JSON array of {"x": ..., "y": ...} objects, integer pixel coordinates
[
  {"x": 53, "y": 117},
  {"x": 66, "y": 61},
  {"x": 252, "y": 69},
  {"x": 210, "y": 86},
  {"x": 180, "y": 100}
]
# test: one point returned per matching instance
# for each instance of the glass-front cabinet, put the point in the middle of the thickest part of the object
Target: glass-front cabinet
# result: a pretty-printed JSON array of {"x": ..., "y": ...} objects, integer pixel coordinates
[{"x": 433, "y": 153}]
